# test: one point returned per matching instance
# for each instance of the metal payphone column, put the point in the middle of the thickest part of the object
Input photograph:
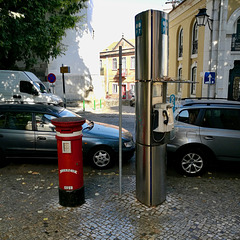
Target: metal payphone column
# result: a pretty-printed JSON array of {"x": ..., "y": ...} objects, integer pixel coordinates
[{"x": 152, "y": 112}]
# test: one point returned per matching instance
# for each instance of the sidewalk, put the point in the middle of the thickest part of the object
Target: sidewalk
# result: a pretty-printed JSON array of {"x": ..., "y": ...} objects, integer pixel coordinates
[
  {"x": 195, "y": 208},
  {"x": 202, "y": 208}
]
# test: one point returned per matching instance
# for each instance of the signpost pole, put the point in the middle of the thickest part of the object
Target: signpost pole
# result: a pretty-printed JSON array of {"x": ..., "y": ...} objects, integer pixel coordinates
[
  {"x": 120, "y": 120},
  {"x": 209, "y": 82},
  {"x": 208, "y": 94},
  {"x": 53, "y": 88},
  {"x": 64, "y": 97}
]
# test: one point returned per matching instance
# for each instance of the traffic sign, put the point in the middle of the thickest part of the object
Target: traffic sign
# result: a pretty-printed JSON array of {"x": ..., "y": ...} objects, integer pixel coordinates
[
  {"x": 209, "y": 77},
  {"x": 65, "y": 69},
  {"x": 51, "y": 78}
]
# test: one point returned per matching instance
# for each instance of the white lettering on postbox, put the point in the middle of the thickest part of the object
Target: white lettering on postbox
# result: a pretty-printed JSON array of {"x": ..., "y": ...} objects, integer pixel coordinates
[
  {"x": 68, "y": 187},
  {"x": 68, "y": 170}
]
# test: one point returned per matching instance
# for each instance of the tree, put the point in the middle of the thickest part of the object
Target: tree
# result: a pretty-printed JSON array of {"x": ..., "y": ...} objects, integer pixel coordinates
[{"x": 32, "y": 30}]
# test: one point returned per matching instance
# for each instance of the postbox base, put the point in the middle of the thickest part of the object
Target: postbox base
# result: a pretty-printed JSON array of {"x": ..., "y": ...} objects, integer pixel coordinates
[{"x": 71, "y": 198}]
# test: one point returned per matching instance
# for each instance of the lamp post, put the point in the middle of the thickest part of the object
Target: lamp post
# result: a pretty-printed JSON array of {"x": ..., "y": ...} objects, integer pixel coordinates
[{"x": 202, "y": 19}]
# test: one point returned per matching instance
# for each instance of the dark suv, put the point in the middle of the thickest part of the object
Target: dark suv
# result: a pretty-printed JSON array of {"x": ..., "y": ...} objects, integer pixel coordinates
[{"x": 205, "y": 130}]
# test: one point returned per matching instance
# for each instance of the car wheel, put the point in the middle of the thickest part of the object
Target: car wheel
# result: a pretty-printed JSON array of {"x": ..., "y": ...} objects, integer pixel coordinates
[
  {"x": 101, "y": 157},
  {"x": 192, "y": 162}
]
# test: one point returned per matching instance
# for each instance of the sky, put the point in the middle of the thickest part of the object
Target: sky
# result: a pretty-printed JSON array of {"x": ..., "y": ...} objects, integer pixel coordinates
[{"x": 114, "y": 18}]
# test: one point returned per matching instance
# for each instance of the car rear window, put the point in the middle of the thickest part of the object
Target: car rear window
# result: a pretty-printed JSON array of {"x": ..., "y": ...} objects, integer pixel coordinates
[
  {"x": 18, "y": 121},
  {"x": 222, "y": 118}
]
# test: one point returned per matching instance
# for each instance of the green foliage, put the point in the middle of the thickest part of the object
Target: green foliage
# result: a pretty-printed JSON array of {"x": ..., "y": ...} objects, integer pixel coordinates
[{"x": 37, "y": 31}]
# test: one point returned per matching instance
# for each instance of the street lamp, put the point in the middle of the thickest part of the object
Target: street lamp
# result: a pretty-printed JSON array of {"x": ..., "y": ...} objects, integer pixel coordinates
[{"x": 202, "y": 19}]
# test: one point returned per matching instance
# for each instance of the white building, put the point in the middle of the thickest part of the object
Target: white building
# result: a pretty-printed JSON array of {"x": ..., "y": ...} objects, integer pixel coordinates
[
  {"x": 82, "y": 56},
  {"x": 225, "y": 48}
]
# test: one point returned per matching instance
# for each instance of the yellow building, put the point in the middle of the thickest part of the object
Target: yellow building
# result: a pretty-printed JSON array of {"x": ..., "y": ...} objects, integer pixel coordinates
[
  {"x": 194, "y": 50},
  {"x": 109, "y": 60}
]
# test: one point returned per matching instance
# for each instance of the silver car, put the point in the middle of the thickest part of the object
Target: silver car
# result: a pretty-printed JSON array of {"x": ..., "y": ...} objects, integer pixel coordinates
[{"x": 205, "y": 130}]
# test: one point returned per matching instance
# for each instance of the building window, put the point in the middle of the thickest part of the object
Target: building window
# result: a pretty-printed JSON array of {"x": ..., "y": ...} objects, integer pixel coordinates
[
  {"x": 132, "y": 62},
  {"x": 114, "y": 64},
  {"x": 195, "y": 39},
  {"x": 179, "y": 86},
  {"x": 236, "y": 88},
  {"x": 238, "y": 29},
  {"x": 115, "y": 88},
  {"x": 180, "y": 43},
  {"x": 194, "y": 79},
  {"x": 236, "y": 38}
]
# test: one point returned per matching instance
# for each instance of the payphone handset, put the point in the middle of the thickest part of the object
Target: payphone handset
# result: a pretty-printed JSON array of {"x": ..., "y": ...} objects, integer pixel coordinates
[{"x": 165, "y": 117}]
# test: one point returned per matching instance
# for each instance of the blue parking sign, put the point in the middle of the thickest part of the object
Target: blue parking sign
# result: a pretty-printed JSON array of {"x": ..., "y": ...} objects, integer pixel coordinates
[{"x": 209, "y": 77}]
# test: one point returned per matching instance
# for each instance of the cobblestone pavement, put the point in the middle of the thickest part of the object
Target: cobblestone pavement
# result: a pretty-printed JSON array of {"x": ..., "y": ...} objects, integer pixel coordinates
[{"x": 204, "y": 207}]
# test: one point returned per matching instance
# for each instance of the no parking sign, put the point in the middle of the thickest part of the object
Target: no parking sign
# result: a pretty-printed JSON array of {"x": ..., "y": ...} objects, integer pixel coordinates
[{"x": 51, "y": 78}]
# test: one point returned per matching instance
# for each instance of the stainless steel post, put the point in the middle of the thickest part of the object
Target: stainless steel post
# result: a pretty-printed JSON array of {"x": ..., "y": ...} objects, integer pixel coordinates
[
  {"x": 151, "y": 65},
  {"x": 120, "y": 120}
]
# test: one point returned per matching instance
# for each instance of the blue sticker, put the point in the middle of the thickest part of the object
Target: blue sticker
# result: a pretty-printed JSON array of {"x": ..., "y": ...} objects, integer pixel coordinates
[
  {"x": 138, "y": 28},
  {"x": 172, "y": 100},
  {"x": 164, "y": 26}
]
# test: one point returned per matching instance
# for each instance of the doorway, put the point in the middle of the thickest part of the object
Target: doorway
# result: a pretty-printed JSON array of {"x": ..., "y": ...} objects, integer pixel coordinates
[
  {"x": 124, "y": 92},
  {"x": 234, "y": 82}
]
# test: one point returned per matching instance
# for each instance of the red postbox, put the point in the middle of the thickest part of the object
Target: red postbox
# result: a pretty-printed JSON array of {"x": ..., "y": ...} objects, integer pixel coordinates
[{"x": 70, "y": 160}]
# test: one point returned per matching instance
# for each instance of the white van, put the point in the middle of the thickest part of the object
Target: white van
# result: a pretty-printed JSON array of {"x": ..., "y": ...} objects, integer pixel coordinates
[{"x": 25, "y": 87}]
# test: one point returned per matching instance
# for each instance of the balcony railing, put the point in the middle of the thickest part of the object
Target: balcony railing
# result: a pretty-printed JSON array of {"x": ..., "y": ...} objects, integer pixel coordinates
[{"x": 235, "y": 46}]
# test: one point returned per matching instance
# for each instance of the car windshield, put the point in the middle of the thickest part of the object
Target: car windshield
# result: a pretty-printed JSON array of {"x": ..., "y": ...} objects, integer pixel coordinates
[
  {"x": 41, "y": 87},
  {"x": 67, "y": 113},
  {"x": 37, "y": 83}
]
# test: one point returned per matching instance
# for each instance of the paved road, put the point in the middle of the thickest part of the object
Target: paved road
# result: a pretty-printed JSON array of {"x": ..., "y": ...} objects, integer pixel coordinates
[{"x": 201, "y": 208}]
